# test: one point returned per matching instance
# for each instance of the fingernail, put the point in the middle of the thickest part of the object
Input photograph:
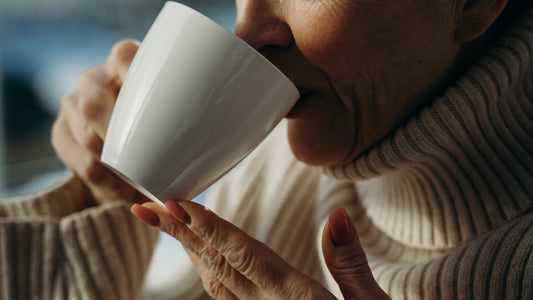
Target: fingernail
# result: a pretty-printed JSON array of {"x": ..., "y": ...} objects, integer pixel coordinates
[
  {"x": 341, "y": 227},
  {"x": 178, "y": 212},
  {"x": 145, "y": 214}
]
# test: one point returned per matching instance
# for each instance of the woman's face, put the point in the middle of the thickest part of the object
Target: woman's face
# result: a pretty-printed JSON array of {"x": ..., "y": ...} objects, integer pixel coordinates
[{"x": 362, "y": 66}]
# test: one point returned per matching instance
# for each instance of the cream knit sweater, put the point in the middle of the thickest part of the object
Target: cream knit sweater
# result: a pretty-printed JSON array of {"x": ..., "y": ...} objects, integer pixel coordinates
[
  {"x": 54, "y": 245},
  {"x": 443, "y": 207}
]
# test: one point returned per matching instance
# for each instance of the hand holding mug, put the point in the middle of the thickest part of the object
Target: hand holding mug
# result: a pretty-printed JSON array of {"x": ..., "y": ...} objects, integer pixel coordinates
[
  {"x": 80, "y": 128},
  {"x": 196, "y": 100},
  {"x": 234, "y": 265}
]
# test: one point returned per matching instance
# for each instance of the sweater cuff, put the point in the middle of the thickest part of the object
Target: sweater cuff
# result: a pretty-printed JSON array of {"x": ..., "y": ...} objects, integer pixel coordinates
[
  {"x": 31, "y": 258},
  {"x": 98, "y": 253},
  {"x": 61, "y": 199},
  {"x": 109, "y": 251}
]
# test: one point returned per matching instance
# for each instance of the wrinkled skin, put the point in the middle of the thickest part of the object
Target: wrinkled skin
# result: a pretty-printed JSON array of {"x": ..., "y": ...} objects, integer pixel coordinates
[
  {"x": 235, "y": 266},
  {"x": 363, "y": 67}
]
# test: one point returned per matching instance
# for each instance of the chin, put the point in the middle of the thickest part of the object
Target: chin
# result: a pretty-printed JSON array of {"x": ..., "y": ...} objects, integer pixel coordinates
[{"x": 313, "y": 148}]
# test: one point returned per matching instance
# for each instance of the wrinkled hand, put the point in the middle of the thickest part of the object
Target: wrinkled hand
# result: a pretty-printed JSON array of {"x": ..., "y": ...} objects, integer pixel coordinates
[
  {"x": 80, "y": 128},
  {"x": 234, "y": 265}
]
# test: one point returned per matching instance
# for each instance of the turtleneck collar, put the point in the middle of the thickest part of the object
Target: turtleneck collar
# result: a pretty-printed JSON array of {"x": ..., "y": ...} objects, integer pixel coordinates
[{"x": 464, "y": 165}]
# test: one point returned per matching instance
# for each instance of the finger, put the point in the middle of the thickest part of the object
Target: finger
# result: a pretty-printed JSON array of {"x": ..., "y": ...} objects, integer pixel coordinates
[
  {"x": 346, "y": 259},
  {"x": 218, "y": 268},
  {"x": 98, "y": 90},
  {"x": 95, "y": 97},
  {"x": 80, "y": 130},
  {"x": 144, "y": 214},
  {"x": 214, "y": 288},
  {"x": 89, "y": 169},
  {"x": 120, "y": 59},
  {"x": 211, "y": 284},
  {"x": 73, "y": 154},
  {"x": 249, "y": 257}
]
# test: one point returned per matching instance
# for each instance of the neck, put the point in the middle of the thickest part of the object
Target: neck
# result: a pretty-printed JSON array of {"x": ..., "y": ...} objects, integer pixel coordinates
[{"x": 464, "y": 165}]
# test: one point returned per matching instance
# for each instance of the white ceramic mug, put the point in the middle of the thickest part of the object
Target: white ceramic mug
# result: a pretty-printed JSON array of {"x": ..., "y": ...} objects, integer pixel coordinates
[{"x": 195, "y": 101}]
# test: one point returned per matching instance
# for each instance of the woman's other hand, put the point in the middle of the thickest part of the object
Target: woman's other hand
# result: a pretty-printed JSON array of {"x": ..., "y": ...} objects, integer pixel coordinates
[
  {"x": 234, "y": 265},
  {"x": 79, "y": 131},
  {"x": 346, "y": 259}
]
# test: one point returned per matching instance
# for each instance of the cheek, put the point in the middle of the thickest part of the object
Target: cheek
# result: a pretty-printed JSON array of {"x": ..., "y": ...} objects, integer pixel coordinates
[
  {"x": 321, "y": 42},
  {"x": 335, "y": 42}
]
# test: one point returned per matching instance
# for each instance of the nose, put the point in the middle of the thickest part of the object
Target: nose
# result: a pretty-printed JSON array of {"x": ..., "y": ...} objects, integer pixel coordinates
[{"x": 261, "y": 24}]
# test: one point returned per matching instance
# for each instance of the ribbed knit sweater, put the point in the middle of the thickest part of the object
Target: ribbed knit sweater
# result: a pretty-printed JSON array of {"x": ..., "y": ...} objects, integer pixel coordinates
[
  {"x": 54, "y": 245},
  {"x": 443, "y": 206},
  {"x": 446, "y": 207}
]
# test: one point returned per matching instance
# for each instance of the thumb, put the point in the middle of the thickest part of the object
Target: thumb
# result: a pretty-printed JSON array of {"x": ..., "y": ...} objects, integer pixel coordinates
[{"x": 346, "y": 259}]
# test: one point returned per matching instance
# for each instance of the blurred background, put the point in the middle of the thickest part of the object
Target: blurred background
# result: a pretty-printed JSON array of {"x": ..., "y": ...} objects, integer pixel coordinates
[{"x": 44, "y": 46}]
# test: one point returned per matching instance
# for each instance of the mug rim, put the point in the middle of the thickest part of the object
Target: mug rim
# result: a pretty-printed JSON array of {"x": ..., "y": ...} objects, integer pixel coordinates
[{"x": 236, "y": 39}]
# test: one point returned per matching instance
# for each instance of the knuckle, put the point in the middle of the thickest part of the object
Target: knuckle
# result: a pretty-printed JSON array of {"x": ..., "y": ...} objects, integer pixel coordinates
[
  {"x": 219, "y": 268},
  {"x": 206, "y": 230},
  {"x": 172, "y": 229},
  {"x": 180, "y": 232},
  {"x": 213, "y": 261},
  {"x": 214, "y": 288},
  {"x": 240, "y": 257},
  {"x": 351, "y": 263}
]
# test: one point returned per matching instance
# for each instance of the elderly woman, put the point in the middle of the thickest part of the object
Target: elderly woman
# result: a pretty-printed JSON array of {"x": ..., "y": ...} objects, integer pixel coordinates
[{"x": 414, "y": 126}]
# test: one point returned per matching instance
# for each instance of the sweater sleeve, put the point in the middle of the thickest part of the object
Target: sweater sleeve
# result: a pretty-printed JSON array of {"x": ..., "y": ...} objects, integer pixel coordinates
[
  {"x": 65, "y": 197},
  {"x": 53, "y": 244}
]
